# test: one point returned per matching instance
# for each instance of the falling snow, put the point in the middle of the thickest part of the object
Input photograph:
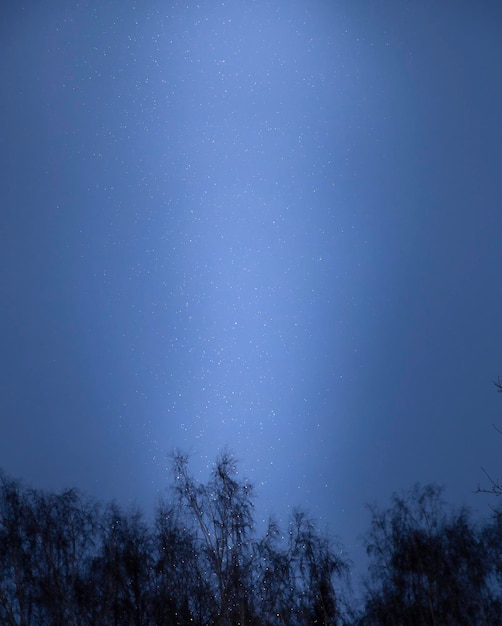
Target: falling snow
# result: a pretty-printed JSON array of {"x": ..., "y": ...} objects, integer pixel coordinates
[{"x": 264, "y": 225}]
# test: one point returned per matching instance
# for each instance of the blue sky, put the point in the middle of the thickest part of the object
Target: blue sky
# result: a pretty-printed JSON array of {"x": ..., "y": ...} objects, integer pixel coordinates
[{"x": 272, "y": 226}]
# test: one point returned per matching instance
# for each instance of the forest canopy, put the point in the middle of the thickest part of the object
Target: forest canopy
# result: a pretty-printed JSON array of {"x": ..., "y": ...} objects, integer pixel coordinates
[{"x": 67, "y": 559}]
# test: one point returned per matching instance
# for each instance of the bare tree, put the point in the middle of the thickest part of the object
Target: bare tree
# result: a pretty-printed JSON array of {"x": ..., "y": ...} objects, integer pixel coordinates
[
  {"x": 66, "y": 560},
  {"x": 220, "y": 515},
  {"x": 495, "y": 487},
  {"x": 62, "y": 528},
  {"x": 121, "y": 572},
  {"x": 427, "y": 566},
  {"x": 295, "y": 574},
  {"x": 177, "y": 597},
  {"x": 16, "y": 556},
  {"x": 46, "y": 541}
]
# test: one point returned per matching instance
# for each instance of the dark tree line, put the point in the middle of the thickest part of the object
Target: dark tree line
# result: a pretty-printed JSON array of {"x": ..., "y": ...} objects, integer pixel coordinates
[
  {"x": 67, "y": 560},
  {"x": 430, "y": 566}
]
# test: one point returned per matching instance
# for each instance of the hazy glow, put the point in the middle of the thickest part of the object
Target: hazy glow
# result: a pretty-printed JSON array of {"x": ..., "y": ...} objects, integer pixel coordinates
[
  {"x": 256, "y": 242},
  {"x": 268, "y": 225}
]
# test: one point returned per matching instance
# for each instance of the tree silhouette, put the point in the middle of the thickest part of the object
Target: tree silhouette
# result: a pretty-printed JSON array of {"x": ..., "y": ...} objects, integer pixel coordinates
[
  {"x": 495, "y": 487},
  {"x": 122, "y": 570},
  {"x": 176, "y": 599},
  {"x": 220, "y": 516},
  {"x": 427, "y": 567},
  {"x": 45, "y": 542},
  {"x": 64, "y": 559}
]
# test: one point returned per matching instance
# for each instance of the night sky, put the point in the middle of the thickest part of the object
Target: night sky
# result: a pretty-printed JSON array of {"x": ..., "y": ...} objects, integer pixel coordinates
[{"x": 272, "y": 226}]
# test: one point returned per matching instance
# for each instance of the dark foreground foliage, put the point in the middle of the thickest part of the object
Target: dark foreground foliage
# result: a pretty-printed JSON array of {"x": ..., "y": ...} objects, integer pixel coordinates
[
  {"x": 66, "y": 560},
  {"x": 430, "y": 566}
]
